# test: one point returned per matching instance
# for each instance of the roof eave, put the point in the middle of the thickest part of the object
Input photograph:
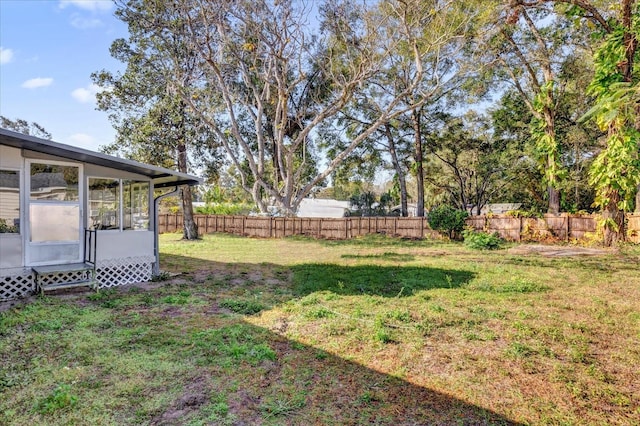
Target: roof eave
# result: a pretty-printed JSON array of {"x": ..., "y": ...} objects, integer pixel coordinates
[{"x": 160, "y": 176}]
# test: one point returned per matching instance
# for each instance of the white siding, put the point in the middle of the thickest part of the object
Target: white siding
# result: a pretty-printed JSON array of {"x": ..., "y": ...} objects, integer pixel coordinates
[
  {"x": 10, "y": 157},
  {"x": 119, "y": 245},
  {"x": 10, "y": 251}
]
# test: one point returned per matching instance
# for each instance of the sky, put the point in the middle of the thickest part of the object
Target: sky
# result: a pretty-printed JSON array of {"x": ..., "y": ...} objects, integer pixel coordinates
[{"x": 48, "y": 50}]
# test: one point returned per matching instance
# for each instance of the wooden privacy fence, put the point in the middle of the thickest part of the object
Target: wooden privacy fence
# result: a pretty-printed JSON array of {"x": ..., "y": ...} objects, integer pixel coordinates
[
  {"x": 562, "y": 227},
  {"x": 279, "y": 227}
]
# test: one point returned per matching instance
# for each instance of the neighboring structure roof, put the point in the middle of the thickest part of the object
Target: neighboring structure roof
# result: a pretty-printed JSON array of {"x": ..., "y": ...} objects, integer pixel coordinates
[
  {"x": 319, "y": 207},
  {"x": 160, "y": 176},
  {"x": 499, "y": 208}
]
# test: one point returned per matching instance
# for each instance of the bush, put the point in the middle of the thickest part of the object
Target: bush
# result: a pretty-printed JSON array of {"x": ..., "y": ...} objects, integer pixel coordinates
[
  {"x": 228, "y": 209},
  {"x": 447, "y": 220},
  {"x": 481, "y": 240}
]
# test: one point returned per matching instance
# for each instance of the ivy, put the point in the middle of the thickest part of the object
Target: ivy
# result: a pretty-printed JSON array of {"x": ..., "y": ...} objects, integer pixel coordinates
[
  {"x": 615, "y": 173},
  {"x": 546, "y": 143}
]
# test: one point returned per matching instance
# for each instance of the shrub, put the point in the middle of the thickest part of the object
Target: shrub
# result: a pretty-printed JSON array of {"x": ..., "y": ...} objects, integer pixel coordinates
[
  {"x": 447, "y": 220},
  {"x": 481, "y": 240},
  {"x": 5, "y": 228},
  {"x": 228, "y": 209}
]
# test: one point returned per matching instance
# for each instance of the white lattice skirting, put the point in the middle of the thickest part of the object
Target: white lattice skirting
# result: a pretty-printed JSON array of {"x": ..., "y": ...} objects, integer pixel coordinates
[
  {"x": 18, "y": 283},
  {"x": 115, "y": 272}
]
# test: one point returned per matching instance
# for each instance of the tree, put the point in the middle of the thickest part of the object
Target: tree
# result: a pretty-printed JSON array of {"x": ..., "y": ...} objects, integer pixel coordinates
[
  {"x": 474, "y": 165},
  {"x": 23, "y": 126},
  {"x": 269, "y": 80},
  {"x": 153, "y": 123},
  {"x": 616, "y": 171},
  {"x": 424, "y": 40},
  {"x": 525, "y": 47}
]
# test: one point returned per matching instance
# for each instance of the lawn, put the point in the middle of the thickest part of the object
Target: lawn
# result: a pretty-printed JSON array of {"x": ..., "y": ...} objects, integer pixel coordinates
[{"x": 303, "y": 332}]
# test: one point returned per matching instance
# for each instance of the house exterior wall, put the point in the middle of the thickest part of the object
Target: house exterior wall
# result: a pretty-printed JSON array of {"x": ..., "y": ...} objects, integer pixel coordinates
[
  {"x": 10, "y": 157},
  {"x": 116, "y": 244},
  {"x": 10, "y": 251},
  {"x": 123, "y": 257},
  {"x": 11, "y": 244}
]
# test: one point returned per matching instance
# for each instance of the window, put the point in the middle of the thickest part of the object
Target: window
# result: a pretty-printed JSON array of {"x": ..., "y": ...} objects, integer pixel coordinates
[
  {"x": 135, "y": 204},
  {"x": 104, "y": 203},
  {"x": 9, "y": 202},
  {"x": 54, "y": 182},
  {"x": 118, "y": 204}
]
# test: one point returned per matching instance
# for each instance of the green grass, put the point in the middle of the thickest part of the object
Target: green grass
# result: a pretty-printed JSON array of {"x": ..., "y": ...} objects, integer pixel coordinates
[{"x": 368, "y": 331}]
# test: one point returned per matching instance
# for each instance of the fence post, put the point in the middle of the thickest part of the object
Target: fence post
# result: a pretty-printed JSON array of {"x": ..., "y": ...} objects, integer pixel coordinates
[
  {"x": 520, "y": 233},
  {"x": 568, "y": 227}
]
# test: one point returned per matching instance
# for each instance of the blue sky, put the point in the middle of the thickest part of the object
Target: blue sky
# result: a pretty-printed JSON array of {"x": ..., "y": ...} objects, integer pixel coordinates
[{"x": 49, "y": 48}]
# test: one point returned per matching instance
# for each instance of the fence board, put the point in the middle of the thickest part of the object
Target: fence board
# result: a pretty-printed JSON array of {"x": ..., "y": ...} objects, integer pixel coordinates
[
  {"x": 563, "y": 226},
  {"x": 634, "y": 228}
]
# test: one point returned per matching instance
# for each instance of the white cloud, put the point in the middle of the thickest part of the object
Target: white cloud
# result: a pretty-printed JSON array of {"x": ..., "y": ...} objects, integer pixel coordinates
[
  {"x": 35, "y": 83},
  {"x": 6, "y": 55},
  {"x": 82, "y": 23},
  {"x": 92, "y": 5},
  {"x": 86, "y": 94}
]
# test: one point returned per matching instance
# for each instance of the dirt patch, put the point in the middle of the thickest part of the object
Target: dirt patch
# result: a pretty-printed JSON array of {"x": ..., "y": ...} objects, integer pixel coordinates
[
  {"x": 557, "y": 251},
  {"x": 195, "y": 394}
]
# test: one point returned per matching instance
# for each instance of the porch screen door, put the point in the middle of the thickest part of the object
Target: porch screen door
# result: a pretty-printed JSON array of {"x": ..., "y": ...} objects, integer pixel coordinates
[{"x": 54, "y": 213}]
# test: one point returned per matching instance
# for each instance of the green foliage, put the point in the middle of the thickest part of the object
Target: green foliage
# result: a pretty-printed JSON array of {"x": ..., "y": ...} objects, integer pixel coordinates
[
  {"x": 544, "y": 135},
  {"x": 61, "y": 398},
  {"x": 523, "y": 213},
  {"x": 23, "y": 126},
  {"x": 228, "y": 209},
  {"x": 236, "y": 342},
  {"x": 447, "y": 220},
  {"x": 6, "y": 228},
  {"x": 481, "y": 240},
  {"x": 246, "y": 307},
  {"x": 161, "y": 276},
  {"x": 283, "y": 406},
  {"x": 615, "y": 173}
]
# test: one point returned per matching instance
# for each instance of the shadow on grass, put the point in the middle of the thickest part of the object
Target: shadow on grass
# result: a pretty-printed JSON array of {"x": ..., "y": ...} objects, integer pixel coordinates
[
  {"x": 304, "y": 385},
  {"x": 375, "y": 280},
  {"x": 390, "y": 256},
  {"x": 237, "y": 372},
  {"x": 377, "y": 241}
]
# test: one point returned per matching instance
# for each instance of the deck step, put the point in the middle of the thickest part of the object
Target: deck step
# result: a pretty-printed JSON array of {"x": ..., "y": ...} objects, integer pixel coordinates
[
  {"x": 68, "y": 275},
  {"x": 60, "y": 269},
  {"x": 61, "y": 286}
]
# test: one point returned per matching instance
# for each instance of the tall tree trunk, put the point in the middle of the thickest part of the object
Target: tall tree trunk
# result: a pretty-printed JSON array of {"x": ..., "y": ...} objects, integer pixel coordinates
[
  {"x": 552, "y": 160},
  {"x": 418, "y": 157},
  {"x": 554, "y": 200},
  {"x": 190, "y": 228},
  {"x": 404, "y": 210},
  {"x": 637, "y": 210},
  {"x": 614, "y": 231}
]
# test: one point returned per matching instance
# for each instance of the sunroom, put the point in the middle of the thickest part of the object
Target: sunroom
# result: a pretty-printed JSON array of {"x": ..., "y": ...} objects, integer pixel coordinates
[{"x": 73, "y": 217}]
